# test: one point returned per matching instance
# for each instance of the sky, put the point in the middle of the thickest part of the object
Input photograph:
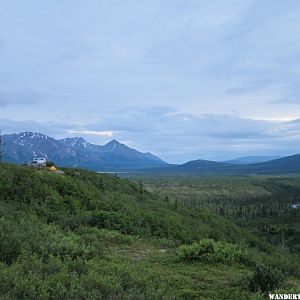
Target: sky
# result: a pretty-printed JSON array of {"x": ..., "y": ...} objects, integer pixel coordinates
[{"x": 182, "y": 79}]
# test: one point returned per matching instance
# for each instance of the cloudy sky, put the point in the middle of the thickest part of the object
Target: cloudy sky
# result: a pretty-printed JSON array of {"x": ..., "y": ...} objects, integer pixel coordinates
[{"x": 182, "y": 79}]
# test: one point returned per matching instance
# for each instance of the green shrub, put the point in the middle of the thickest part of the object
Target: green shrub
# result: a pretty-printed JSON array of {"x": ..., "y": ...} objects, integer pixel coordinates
[
  {"x": 93, "y": 235},
  {"x": 266, "y": 279},
  {"x": 10, "y": 242},
  {"x": 208, "y": 250},
  {"x": 73, "y": 246}
]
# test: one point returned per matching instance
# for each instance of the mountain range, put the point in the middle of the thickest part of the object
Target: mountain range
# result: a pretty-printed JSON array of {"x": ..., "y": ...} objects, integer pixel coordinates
[
  {"x": 117, "y": 157},
  {"x": 76, "y": 152}
]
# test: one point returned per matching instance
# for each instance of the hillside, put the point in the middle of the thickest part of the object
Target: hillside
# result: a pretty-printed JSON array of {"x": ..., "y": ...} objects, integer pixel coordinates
[
  {"x": 83, "y": 235},
  {"x": 266, "y": 204},
  {"x": 76, "y": 152}
]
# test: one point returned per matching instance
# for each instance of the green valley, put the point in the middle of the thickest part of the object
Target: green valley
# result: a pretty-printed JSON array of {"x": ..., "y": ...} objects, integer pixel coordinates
[{"x": 82, "y": 235}]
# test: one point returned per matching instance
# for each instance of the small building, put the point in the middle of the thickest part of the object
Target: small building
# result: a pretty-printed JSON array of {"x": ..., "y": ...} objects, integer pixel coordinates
[{"x": 39, "y": 162}]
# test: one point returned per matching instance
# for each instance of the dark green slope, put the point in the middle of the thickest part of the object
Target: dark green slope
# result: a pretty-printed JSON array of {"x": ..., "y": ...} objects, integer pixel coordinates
[{"x": 92, "y": 236}]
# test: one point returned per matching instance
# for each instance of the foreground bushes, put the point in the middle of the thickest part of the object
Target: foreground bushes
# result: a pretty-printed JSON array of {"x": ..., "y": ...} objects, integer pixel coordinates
[
  {"x": 208, "y": 250},
  {"x": 266, "y": 278}
]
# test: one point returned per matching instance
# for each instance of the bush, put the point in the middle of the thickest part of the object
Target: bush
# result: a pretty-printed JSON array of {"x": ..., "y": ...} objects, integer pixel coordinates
[
  {"x": 10, "y": 244},
  {"x": 208, "y": 250},
  {"x": 74, "y": 246},
  {"x": 266, "y": 279}
]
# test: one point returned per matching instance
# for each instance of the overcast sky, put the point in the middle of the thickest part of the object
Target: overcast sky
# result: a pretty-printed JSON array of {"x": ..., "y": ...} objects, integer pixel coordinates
[{"x": 183, "y": 79}]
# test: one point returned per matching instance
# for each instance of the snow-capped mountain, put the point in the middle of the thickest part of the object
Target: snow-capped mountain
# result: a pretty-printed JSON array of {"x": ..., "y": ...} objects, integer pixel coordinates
[{"x": 76, "y": 152}]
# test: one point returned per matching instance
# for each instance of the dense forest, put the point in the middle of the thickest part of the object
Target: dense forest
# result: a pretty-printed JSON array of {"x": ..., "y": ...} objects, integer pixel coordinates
[{"x": 82, "y": 235}]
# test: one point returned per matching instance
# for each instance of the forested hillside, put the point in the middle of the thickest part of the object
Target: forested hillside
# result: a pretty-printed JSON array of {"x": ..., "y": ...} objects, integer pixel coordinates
[
  {"x": 82, "y": 235},
  {"x": 268, "y": 205}
]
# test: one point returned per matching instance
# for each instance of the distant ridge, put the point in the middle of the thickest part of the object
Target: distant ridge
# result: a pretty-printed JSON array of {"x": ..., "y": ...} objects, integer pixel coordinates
[
  {"x": 77, "y": 152},
  {"x": 115, "y": 156},
  {"x": 251, "y": 159},
  {"x": 281, "y": 166}
]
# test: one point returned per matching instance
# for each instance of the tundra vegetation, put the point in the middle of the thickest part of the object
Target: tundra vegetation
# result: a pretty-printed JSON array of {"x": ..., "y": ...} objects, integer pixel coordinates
[{"x": 82, "y": 235}]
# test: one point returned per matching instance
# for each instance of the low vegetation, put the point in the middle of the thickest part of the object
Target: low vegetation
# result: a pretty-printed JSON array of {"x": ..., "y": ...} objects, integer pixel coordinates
[
  {"x": 266, "y": 279},
  {"x": 208, "y": 250},
  {"x": 82, "y": 235}
]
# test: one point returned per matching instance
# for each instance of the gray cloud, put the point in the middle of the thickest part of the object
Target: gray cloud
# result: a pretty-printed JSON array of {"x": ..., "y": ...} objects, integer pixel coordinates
[
  {"x": 24, "y": 97},
  {"x": 178, "y": 137},
  {"x": 181, "y": 79}
]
